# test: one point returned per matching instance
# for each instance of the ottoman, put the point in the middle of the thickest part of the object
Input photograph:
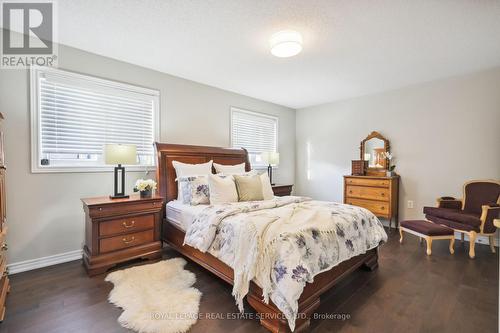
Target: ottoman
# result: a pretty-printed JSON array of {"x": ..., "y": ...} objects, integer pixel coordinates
[{"x": 428, "y": 231}]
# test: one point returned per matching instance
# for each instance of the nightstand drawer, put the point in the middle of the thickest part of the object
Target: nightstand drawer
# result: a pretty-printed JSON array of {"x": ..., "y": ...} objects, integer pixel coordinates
[
  {"x": 126, "y": 224},
  {"x": 378, "y": 208},
  {"x": 126, "y": 241},
  {"x": 366, "y": 192},
  {"x": 118, "y": 209},
  {"x": 367, "y": 182}
]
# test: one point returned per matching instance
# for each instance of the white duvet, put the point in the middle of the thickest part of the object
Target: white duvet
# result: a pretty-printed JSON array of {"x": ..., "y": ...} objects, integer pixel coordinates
[{"x": 283, "y": 243}]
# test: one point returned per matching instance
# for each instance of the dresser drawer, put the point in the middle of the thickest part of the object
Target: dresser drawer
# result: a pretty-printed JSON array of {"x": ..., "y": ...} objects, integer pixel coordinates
[
  {"x": 126, "y": 224},
  {"x": 368, "y": 182},
  {"x": 114, "y": 210},
  {"x": 378, "y": 208},
  {"x": 126, "y": 241},
  {"x": 366, "y": 192}
]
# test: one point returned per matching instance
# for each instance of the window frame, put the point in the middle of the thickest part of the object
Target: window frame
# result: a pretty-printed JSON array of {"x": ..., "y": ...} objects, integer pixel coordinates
[
  {"x": 260, "y": 114},
  {"x": 35, "y": 123}
]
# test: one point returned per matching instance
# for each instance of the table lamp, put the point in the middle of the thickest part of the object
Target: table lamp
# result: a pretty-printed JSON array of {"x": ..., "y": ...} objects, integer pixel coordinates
[
  {"x": 120, "y": 154},
  {"x": 271, "y": 159}
]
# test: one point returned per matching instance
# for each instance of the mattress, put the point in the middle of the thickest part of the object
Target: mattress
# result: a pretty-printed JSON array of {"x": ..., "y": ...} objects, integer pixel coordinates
[{"x": 182, "y": 215}]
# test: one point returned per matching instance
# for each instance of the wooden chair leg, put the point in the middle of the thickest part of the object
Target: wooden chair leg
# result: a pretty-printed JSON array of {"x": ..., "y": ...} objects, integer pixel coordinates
[
  {"x": 400, "y": 235},
  {"x": 462, "y": 236},
  {"x": 429, "y": 245},
  {"x": 420, "y": 240},
  {"x": 492, "y": 243},
  {"x": 472, "y": 244},
  {"x": 452, "y": 243}
]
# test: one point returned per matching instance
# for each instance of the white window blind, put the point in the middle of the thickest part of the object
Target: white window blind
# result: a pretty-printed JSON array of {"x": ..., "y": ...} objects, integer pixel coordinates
[
  {"x": 255, "y": 132},
  {"x": 77, "y": 115}
]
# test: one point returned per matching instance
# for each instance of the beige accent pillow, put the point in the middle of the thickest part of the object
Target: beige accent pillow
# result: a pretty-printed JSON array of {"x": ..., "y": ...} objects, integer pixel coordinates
[
  {"x": 249, "y": 188},
  {"x": 222, "y": 189},
  {"x": 267, "y": 189}
]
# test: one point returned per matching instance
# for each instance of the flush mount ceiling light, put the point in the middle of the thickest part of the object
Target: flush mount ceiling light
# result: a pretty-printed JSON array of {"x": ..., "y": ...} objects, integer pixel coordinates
[{"x": 286, "y": 43}]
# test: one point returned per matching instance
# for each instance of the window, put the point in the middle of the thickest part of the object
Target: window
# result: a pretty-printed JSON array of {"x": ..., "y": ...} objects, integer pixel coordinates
[
  {"x": 74, "y": 116},
  {"x": 256, "y": 132}
]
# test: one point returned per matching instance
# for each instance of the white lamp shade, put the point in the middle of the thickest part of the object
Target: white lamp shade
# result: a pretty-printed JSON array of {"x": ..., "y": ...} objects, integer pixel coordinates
[
  {"x": 271, "y": 158},
  {"x": 120, "y": 154}
]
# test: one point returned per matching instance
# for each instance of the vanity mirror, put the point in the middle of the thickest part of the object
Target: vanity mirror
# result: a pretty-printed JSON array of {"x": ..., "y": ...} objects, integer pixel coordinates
[{"x": 373, "y": 150}]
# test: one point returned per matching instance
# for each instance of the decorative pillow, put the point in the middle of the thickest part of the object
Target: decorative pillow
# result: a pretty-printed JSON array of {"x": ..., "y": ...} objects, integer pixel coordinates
[
  {"x": 194, "y": 190},
  {"x": 222, "y": 189},
  {"x": 186, "y": 169},
  {"x": 249, "y": 187},
  {"x": 230, "y": 169},
  {"x": 267, "y": 190}
]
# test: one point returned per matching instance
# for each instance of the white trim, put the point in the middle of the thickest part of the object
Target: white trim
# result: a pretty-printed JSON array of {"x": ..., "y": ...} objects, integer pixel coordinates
[
  {"x": 35, "y": 130},
  {"x": 28, "y": 265}
]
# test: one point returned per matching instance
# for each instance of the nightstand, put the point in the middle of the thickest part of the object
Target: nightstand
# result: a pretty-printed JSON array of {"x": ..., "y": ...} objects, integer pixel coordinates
[
  {"x": 118, "y": 230},
  {"x": 282, "y": 190}
]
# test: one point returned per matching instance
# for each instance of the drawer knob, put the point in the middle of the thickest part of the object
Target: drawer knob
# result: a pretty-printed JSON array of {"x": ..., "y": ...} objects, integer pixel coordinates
[
  {"x": 382, "y": 207},
  {"x": 350, "y": 192},
  {"x": 100, "y": 208},
  {"x": 5, "y": 247},
  {"x": 128, "y": 225},
  {"x": 128, "y": 241},
  {"x": 382, "y": 194}
]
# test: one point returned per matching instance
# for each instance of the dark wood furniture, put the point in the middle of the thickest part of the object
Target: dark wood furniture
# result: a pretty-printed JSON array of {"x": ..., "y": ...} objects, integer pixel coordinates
[
  {"x": 4, "y": 280},
  {"x": 118, "y": 230},
  {"x": 377, "y": 194},
  {"x": 271, "y": 317},
  {"x": 282, "y": 190}
]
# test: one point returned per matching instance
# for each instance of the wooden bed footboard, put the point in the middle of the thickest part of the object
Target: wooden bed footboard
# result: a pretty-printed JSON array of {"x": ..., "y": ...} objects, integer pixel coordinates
[{"x": 270, "y": 316}]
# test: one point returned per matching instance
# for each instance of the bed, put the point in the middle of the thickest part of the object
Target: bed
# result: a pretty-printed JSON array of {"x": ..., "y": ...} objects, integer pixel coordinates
[{"x": 174, "y": 233}]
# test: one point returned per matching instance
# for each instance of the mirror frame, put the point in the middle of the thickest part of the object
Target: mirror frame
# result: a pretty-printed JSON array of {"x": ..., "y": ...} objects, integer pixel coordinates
[{"x": 387, "y": 147}]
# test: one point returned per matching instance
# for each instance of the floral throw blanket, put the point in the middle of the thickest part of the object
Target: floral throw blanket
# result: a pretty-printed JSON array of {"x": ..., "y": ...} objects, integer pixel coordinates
[{"x": 283, "y": 243}]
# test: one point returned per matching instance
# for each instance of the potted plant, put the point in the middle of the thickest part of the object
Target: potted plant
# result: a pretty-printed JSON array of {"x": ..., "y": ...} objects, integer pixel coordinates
[
  {"x": 145, "y": 187},
  {"x": 390, "y": 170}
]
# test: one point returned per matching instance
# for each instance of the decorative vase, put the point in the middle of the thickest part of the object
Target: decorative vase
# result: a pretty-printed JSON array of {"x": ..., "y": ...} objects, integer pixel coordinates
[{"x": 146, "y": 194}]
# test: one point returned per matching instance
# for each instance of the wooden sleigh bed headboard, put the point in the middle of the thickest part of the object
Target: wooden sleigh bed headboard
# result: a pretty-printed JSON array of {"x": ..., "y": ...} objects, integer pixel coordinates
[{"x": 166, "y": 153}]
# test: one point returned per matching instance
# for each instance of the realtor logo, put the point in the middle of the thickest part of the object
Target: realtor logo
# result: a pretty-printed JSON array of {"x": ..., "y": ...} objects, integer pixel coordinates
[{"x": 27, "y": 34}]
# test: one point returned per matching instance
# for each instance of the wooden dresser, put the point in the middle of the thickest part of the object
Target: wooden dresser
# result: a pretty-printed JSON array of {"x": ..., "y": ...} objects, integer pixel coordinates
[
  {"x": 4, "y": 281},
  {"x": 377, "y": 194},
  {"x": 118, "y": 230}
]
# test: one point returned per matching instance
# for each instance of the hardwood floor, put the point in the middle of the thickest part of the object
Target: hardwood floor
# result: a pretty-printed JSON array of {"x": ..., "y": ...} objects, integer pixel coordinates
[{"x": 409, "y": 292}]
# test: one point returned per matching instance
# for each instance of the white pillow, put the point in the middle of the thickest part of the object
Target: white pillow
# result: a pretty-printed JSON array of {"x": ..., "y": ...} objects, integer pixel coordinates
[
  {"x": 186, "y": 169},
  {"x": 267, "y": 190},
  {"x": 222, "y": 189},
  {"x": 230, "y": 169}
]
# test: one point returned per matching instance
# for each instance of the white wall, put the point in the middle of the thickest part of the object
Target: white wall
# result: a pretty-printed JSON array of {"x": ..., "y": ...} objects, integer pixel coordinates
[
  {"x": 44, "y": 212},
  {"x": 442, "y": 134}
]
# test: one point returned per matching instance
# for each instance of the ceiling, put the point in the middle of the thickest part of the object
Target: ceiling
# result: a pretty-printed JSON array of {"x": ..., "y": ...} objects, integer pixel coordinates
[{"x": 351, "y": 48}]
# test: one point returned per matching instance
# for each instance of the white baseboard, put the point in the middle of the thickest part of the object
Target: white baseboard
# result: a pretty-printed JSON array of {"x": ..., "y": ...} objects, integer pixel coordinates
[
  {"x": 28, "y": 265},
  {"x": 479, "y": 240}
]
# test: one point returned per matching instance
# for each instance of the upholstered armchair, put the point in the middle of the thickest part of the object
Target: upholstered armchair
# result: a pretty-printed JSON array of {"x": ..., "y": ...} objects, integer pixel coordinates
[{"x": 476, "y": 214}]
